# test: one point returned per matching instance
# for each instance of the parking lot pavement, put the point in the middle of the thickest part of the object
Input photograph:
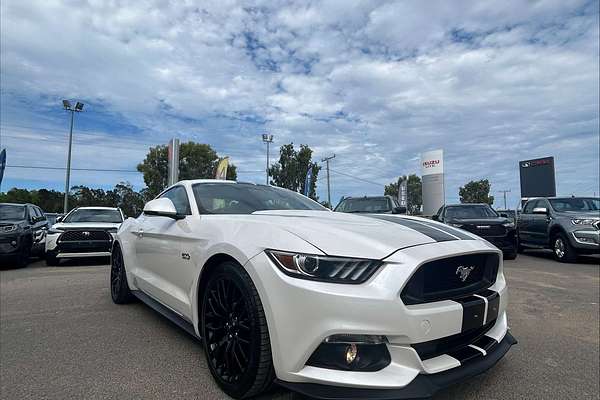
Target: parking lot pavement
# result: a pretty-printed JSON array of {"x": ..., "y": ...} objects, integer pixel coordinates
[{"x": 62, "y": 337}]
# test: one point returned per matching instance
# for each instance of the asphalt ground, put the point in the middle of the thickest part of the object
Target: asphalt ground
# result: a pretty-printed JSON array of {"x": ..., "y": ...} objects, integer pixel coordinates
[{"x": 61, "y": 337}]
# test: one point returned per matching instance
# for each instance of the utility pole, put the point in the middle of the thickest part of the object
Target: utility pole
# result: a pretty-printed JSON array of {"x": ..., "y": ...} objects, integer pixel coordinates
[
  {"x": 326, "y": 161},
  {"x": 268, "y": 139},
  {"x": 504, "y": 193},
  {"x": 78, "y": 108}
]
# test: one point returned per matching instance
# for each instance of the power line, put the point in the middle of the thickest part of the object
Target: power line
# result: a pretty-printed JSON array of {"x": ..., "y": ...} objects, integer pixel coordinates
[
  {"x": 357, "y": 178},
  {"x": 74, "y": 169}
]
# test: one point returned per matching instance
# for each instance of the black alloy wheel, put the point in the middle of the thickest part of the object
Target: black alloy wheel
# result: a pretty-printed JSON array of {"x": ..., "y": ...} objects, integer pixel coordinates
[
  {"x": 119, "y": 288},
  {"x": 234, "y": 331},
  {"x": 24, "y": 254}
]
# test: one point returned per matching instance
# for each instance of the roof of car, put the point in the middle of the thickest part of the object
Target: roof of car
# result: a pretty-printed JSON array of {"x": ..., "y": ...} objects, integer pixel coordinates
[
  {"x": 18, "y": 204},
  {"x": 364, "y": 197},
  {"x": 97, "y": 208},
  {"x": 192, "y": 181},
  {"x": 466, "y": 205}
]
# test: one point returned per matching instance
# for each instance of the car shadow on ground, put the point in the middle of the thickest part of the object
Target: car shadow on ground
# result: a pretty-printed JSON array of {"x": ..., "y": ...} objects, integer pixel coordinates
[
  {"x": 547, "y": 254},
  {"x": 37, "y": 262}
]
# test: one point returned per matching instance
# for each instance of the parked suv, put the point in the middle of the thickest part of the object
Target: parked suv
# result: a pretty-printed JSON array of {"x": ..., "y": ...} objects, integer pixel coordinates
[
  {"x": 370, "y": 205},
  {"x": 22, "y": 232},
  {"x": 568, "y": 225},
  {"x": 482, "y": 220},
  {"x": 83, "y": 232}
]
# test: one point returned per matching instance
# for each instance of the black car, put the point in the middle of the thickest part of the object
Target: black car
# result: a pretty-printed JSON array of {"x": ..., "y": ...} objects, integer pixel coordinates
[
  {"x": 483, "y": 221},
  {"x": 570, "y": 226},
  {"x": 23, "y": 230},
  {"x": 370, "y": 205}
]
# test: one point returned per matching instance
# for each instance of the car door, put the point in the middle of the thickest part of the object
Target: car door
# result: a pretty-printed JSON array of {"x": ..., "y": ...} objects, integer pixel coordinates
[
  {"x": 163, "y": 267},
  {"x": 539, "y": 224},
  {"x": 524, "y": 224}
]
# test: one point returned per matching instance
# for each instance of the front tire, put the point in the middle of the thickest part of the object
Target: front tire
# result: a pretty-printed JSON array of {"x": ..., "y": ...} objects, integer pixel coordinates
[
  {"x": 24, "y": 254},
  {"x": 52, "y": 260},
  {"x": 562, "y": 249},
  {"x": 119, "y": 288},
  {"x": 235, "y": 334}
]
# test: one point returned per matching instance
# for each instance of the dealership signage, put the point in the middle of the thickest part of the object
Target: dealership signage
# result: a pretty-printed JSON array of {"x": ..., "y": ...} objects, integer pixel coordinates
[
  {"x": 403, "y": 192},
  {"x": 537, "y": 177},
  {"x": 432, "y": 173}
]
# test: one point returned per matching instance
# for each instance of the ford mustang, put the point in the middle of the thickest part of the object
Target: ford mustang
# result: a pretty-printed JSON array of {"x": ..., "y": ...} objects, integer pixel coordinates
[{"x": 281, "y": 290}]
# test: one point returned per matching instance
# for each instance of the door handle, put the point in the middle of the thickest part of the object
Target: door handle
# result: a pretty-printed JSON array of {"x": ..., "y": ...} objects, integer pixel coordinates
[{"x": 140, "y": 233}]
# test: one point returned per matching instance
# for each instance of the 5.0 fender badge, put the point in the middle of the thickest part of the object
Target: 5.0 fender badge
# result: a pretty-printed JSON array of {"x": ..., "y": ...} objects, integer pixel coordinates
[{"x": 185, "y": 256}]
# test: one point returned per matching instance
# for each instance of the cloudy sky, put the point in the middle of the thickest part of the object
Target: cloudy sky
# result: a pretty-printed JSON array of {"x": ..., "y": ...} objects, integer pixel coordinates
[{"x": 376, "y": 82}]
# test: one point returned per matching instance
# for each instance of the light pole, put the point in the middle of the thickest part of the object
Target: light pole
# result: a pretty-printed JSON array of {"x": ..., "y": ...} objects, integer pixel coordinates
[
  {"x": 268, "y": 139},
  {"x": 504, "y": 193},
  {"x": 326, "y": 160},
  {"x": 78, "y": 108}
]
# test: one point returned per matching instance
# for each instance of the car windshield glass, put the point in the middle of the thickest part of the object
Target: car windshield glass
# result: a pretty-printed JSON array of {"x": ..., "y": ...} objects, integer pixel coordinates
[
  {"x": 364, "y": 205},
  {"x": 9, "y": 211},
  {"x": 476, "y": 211},
  {"x": 94, "y": 215},
  {"x": 576, "y": 204},
  {"x": 243, "y": 198}
]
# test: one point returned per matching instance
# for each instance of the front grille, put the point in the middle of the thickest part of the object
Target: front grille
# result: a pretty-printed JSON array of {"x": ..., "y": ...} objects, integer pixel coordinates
[
  {"x": 484, "y": 230},
  {"x": 84, "y": 236},
  {"x": 449, "y": 344},
  {"x": 447, "y": 278}
]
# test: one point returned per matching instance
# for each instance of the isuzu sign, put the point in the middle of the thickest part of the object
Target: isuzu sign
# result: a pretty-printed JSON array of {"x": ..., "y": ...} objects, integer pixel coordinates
[
  {"x": 432, "y": 174},
  {"x": 432, "y": 162}
]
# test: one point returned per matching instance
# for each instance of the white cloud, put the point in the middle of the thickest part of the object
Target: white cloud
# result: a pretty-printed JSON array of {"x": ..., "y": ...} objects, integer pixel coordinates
[{"x": 376, "y": 83}]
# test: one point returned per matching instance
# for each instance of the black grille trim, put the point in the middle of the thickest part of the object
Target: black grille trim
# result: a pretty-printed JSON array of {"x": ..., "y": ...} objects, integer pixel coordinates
[
  {"x": 81, "y": 236},
  {"x": 455, "y": 343},
  {"x": 438, "y": 279}
]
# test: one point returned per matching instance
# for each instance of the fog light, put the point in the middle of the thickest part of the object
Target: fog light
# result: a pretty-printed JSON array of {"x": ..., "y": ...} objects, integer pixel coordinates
[
  {"x": 14, "y": 243},
  {"x": 351, "y": 352}
]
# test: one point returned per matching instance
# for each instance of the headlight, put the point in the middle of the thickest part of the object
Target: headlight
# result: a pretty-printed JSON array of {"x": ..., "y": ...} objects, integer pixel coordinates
[
  {"x": 324, "y": 268},
  {"x": 9, "y": 228},
  {"x": 508, "y": 224},
  {"x": 53, "y": 231},
  {"x": 583, "y": 221}
]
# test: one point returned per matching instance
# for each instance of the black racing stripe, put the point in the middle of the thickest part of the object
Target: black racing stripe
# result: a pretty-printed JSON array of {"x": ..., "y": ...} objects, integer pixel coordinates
[
  {"x": 465, "y": 354},
  {"x": 486, "y": 343},
  {"x": 435, "y": 234},
  {"x": 473, "y": 312},
  {"x": 448, "y": 229}
]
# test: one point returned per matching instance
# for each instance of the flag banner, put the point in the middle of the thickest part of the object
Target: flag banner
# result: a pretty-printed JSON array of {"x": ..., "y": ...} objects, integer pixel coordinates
[
  {"x": 308, "y": 180},
  {"x": 222, "y": 169},
  {"x": 403, "y": 192},
  {"x": 2, "y": 164}
]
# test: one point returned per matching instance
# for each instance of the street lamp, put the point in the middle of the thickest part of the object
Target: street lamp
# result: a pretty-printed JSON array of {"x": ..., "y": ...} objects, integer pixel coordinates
[
  {"x": 268, "y": 139},
  {"x": 78, "y": 108}
]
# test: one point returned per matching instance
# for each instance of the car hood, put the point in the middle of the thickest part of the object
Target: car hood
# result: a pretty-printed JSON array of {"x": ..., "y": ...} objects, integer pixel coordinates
[
  {"x": 11, "y": 222},
  {"x": 479, "y": 221},
  {"x": 349, "y": 235},
  {"x": 84, "y": 225},
  {"x": 579, "y": 214}
]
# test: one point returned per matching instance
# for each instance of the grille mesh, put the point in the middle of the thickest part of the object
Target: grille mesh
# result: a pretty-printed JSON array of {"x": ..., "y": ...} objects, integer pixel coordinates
[{"x": 80, "y": 236}]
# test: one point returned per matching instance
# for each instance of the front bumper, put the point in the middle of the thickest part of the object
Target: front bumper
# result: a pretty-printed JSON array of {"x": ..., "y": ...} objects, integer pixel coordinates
[
  {"x": 301, "y": 314},
  {"x": 586, "y": 240},
  {"x": 422, "y": 387}
]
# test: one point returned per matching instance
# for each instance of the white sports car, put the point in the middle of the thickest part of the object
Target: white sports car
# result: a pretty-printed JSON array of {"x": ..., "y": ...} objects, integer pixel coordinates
[{"x": 331, "y": 305}]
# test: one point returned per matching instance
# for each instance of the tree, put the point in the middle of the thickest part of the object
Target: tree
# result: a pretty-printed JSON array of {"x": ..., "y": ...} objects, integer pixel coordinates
[
  {"x": 414, "y": 187},
  {"x": 476, "y": 192},
  {"x": 291, "y": 169},
  {"x": 196, "y": 161}
]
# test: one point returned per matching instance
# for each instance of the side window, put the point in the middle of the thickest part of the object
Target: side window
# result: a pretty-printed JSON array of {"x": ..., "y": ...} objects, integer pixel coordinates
[
  {"x": 31, "y": 212},
  {"x": 530, "y": 206},
  {"x": 40, "y": 213},
  {"x": 180, "y": 200}
]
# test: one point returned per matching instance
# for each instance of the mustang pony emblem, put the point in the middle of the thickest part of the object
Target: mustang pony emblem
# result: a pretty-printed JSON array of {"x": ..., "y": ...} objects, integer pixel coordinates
[{"x": 463, "y": 272}]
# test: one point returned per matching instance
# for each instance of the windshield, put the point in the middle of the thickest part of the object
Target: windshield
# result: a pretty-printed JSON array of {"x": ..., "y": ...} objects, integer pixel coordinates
[
  {"x": 10, "y": 211},
  {"x": 576, "y": 204},
  {"x": 365, "y": 205},
  {"x": 244, "y": 198},
  {"x": 470, "y": 212},
  {"x": 94, "y": 215}
]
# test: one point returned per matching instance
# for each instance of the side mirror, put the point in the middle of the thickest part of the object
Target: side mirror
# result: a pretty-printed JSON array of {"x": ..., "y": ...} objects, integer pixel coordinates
[
  {"x": 540, "y": 210},
  {"x": 162, "y": 207},
  {"x": 505, "y": 215},
  {"x": 435, "y": 217},
  {"x": 399, "y": 210},
  {"x": 59, "y": 219}
]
